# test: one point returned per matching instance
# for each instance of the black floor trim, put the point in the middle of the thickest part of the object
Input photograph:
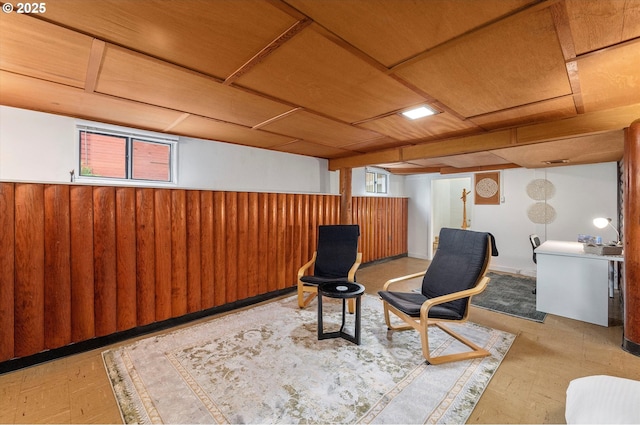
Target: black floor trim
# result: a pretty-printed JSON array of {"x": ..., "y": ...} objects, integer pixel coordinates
[
  {"x": 630, "y": 347},
  {"x": 92, "y": 344}
]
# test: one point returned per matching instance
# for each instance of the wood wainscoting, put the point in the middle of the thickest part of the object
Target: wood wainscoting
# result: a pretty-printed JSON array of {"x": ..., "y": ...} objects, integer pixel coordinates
[{"x": 79, "y": 262}]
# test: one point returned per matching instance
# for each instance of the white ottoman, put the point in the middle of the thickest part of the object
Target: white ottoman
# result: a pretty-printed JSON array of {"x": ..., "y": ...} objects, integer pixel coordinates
[{"x": 603, "y": 400}]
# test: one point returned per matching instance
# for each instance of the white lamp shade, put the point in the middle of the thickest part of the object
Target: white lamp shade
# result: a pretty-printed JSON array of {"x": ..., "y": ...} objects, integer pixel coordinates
[{"x": 601, "y": 223}]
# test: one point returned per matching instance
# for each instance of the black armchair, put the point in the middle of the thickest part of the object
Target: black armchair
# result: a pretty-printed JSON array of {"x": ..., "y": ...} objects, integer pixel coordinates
[
  {"x": 336, "y": 259},
  {"x": 456, "y": 273}
]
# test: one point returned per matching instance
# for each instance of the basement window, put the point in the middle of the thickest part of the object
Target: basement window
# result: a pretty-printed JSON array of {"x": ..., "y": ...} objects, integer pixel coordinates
[
  {"x": 121, "y": 155},
  {"x": 375, "y": 182}
]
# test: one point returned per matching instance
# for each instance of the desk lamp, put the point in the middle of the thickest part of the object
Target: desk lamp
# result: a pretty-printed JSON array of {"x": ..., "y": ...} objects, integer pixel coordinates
[{"x": 601, "y": 223}]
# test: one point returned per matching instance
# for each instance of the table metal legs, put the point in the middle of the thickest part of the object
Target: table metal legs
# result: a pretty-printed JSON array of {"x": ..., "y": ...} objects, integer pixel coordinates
[{"x": 355, "y": 338}]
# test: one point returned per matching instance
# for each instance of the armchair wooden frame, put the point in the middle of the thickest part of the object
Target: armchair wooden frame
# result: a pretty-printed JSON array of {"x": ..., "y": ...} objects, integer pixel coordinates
[
  {"x": 422, "y": 323},
  {"x": 312, "y": 290}
]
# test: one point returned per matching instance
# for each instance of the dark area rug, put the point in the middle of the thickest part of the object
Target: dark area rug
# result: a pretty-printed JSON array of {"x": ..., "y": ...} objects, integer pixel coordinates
[{"x": 509, "y": 294}]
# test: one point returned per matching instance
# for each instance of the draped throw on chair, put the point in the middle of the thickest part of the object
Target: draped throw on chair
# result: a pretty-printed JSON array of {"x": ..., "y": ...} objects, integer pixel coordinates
[
  {"x": 456, "y": 273},
  {"x": 336, "y": 259}
]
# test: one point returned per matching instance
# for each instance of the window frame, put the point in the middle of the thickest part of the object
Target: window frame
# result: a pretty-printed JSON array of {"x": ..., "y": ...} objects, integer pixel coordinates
[
  {"x": 376, "y": 175},
  {"x": 131, "y": 135}
]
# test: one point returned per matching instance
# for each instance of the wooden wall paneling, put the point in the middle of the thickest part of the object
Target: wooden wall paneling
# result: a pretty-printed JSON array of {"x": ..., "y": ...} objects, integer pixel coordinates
[
  {"x": 57, "y": 266},
  {"x": 354, "y": 218},
  {"x": 405, "y": 226},
  {"x": 104, "y": 260},
  {"x": 397, "y": 234},
  {"x": 366, "y": 219},
  {"x": 371, "y": 225},
  {"x": 385, "y": 214},
  {"x": 337, "y": 209},
  {"x": 288, "y": 241},
  {"x": 263, "y": 242},
  {"x": 126, "y": 257},
  {"x": 297, "y": 242},
  {"x": 231, "y": 248},
  {"x": 194, "y": 252},
  {"x": 377, "y": 226},
  {"x": 94, "y": 271},
  {"x": 175, "y": 287},
  {"x": 29, "y": 269},
  {"x": 220, "y": 221},
  {"x": 364, "y": 215},
  {"x": 242, "y": 263},
  {"x": 393, "y": 233},
  {"x": 253, "y": 242},
  {"x": 320, "y": 210},
  {"x": 207, "y": 231},
  {"x": 145, "y": 257},
  {"x": 313, "y": 226},
  {"x": 7, "y": 247},
  {"x": 305, "y": 255},
  {"x": 163, "y": 257},
  {"x": 404, "y": 247},
  {"x": 369, "y": 228},
  {"x": 272, "y": 252},
  {"x": 82, "y": 270},
  {"x": 331, "y": 210},
  {"x": 281, "y": 266},
  {"x": 393, "y": 228}
]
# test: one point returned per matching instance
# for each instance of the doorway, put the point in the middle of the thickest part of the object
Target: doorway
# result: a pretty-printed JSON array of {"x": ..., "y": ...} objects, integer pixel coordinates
[{"x": 448, "y": 207}]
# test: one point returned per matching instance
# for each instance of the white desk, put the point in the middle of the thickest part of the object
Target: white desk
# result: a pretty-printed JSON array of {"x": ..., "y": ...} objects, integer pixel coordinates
[{"x": 573, "y": 284}]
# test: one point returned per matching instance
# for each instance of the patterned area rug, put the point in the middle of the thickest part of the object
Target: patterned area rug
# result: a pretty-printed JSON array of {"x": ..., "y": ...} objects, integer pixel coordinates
[
  {"x": 266, "y": 365},
  {"x": 510, "y": 295}
]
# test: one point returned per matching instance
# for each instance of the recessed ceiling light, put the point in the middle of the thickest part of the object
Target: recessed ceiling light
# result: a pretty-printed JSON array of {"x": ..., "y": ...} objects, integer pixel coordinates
[{"x": 419, "y": 112}]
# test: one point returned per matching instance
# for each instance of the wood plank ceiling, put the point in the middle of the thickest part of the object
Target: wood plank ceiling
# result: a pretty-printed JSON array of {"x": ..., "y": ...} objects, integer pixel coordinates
[{"x": 515, "y": 82}]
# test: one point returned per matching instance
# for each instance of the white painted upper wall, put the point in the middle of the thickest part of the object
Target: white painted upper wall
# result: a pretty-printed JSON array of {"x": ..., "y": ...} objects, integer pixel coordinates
[
  {"x": 40, "y": 147},
  {"x": 582, "y": 193}
]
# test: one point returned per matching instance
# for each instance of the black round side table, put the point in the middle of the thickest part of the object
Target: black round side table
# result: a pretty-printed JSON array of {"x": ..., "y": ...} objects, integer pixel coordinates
[{"x": 344, "y": 290}]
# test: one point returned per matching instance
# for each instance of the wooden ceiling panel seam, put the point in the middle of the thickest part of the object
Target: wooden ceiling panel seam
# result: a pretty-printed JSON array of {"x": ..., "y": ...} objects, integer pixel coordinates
[
  {"x": 277, "y": 117},
  {"x": 291, "y": 32},
  {"x": 560, "y": 18},
  {"x": 340, "y": 42},
  {"x": 501, "y": 76},
  {"x": 181, "y": 118},
  {"x": 318, "y": 74},
  {"x": 534, "y": 6},
  {"x": 95, "y": 62},
  {"x": 548, "y": 110},
  {"x": 597, "y": 24},
  {"x": 622, "y": 44}
]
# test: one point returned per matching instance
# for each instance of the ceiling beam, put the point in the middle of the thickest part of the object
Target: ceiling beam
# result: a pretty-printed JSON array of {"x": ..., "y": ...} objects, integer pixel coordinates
[
  {"x": 580, "y": 125},
  {"x": 454, "y": 170}
]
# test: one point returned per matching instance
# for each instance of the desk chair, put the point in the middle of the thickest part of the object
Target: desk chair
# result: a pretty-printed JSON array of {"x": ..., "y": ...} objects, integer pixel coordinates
[{"x": 535, "y": 242}]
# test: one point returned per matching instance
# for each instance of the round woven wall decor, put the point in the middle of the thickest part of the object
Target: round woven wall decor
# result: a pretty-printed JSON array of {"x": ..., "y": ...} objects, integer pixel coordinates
[
  {"x": 540, "y": 189},
  {"x": 541, "y": 213},
  {"x": 486, "y": 188}
]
